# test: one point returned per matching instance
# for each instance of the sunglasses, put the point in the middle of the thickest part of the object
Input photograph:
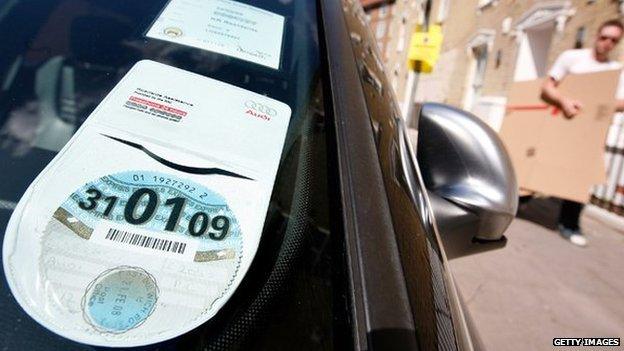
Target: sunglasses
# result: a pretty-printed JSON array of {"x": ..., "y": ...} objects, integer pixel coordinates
[{"x": 614, "y": 40}]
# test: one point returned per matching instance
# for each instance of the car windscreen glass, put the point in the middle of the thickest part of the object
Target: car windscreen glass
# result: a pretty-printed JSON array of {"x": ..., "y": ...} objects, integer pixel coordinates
[{"x": 59, "y": 64}]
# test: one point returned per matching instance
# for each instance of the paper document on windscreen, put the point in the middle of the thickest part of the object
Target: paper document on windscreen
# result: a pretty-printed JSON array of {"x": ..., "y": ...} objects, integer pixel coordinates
[{"x": 223, "y": 26}]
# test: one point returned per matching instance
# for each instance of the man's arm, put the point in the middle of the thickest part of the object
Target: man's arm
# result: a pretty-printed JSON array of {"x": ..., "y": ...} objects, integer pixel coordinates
[{"x": 552, "y": 95}]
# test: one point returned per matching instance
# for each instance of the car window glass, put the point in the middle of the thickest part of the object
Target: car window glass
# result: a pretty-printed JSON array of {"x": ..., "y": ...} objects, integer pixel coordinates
[{"x": 60, "y": 61}]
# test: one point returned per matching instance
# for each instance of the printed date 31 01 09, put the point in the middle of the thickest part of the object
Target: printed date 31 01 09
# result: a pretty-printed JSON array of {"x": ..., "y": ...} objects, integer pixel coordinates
[{"x": 143, "y": 203}]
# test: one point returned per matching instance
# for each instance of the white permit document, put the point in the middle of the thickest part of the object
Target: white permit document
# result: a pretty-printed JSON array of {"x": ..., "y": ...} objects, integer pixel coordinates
[
  {"x": 145, "y": 223},
  {"x": 223, "y": 26}
]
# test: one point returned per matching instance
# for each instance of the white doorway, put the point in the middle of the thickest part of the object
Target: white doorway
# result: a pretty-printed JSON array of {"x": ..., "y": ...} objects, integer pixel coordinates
[
  {"x": 533, "y": 52},
  {"x": 534, "y": 33}
]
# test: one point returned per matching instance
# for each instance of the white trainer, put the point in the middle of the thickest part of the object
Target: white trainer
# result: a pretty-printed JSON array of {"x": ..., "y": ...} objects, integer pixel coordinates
[{"x": 574, "y": 236}]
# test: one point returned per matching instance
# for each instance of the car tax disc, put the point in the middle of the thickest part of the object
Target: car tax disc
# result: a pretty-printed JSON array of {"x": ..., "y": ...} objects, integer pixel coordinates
[{"x": 145, "y": 223}]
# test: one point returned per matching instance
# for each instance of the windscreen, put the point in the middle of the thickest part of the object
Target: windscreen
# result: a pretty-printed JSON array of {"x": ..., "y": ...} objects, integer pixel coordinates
[{"x": 60, "y": 61}]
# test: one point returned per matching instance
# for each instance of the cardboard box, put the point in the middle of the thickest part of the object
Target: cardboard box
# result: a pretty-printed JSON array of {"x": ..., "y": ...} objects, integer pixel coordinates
[{"x": 552, "y": 154}]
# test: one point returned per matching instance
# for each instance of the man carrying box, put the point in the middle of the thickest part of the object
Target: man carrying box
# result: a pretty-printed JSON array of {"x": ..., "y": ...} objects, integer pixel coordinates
[{"x": 578, "y": 61}]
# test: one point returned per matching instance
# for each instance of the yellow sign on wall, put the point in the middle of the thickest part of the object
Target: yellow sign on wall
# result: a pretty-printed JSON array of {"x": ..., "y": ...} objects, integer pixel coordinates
[{"x": 425, "y": 48}]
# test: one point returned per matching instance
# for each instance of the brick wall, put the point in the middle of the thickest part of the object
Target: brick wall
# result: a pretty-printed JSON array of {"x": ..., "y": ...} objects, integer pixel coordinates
[
  {"x": 449, "y": 81},
  {"x": 465, "y": 19}
]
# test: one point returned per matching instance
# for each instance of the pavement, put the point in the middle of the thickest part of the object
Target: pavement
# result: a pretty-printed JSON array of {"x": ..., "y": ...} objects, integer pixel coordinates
[{"x": 541, "y": 286}]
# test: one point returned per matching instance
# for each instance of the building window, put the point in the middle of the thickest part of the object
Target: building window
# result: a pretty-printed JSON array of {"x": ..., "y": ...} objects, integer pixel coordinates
[
  {"x": 381, "y": 29},
  {"x": 383, "y": 11},
  {"x": 476, "y": 75},
  {"x": 499, "y": 57},
  {"x": 580, "y": 37},
  {"x": 443, "y": 9},
  {"x": 480, "y": 54},
  {"x": 401, "y": 40},
  {"x": 506, "y": 25},
  {"x": 484, "y": 3}
]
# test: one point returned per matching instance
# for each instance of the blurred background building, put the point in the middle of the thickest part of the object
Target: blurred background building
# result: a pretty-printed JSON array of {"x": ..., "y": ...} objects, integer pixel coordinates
[
  {"x": 488, "y": 45},
  {"x": 392, "y": 23}
]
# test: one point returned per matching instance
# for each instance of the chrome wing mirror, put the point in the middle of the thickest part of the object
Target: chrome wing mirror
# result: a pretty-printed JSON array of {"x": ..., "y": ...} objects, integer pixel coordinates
[{"x": 469, "y": 177}]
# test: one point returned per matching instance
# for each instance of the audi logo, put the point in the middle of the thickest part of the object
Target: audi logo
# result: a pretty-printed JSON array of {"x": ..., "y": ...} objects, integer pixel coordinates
[{"x": 260, "y": 107}]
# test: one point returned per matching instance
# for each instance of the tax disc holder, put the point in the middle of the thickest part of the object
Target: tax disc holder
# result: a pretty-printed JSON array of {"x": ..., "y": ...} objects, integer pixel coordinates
[{"x": 144, "y": 224}]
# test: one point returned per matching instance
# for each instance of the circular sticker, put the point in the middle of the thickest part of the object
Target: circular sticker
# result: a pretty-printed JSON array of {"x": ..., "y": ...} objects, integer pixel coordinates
[
  {"x": 120, "y": 299},
  {"x": 134, "y": 255}
]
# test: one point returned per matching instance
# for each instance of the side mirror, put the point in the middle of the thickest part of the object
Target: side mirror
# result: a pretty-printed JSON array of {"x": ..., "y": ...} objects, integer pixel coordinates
[{"x": 469, "y": 177}]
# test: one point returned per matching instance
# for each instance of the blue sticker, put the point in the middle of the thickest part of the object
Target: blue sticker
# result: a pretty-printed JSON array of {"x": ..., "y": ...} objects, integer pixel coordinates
[
  {"x": 119, "y": 217},
  {"x": 161, "y": 203},
  {"x": 120, "y": 299}
]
